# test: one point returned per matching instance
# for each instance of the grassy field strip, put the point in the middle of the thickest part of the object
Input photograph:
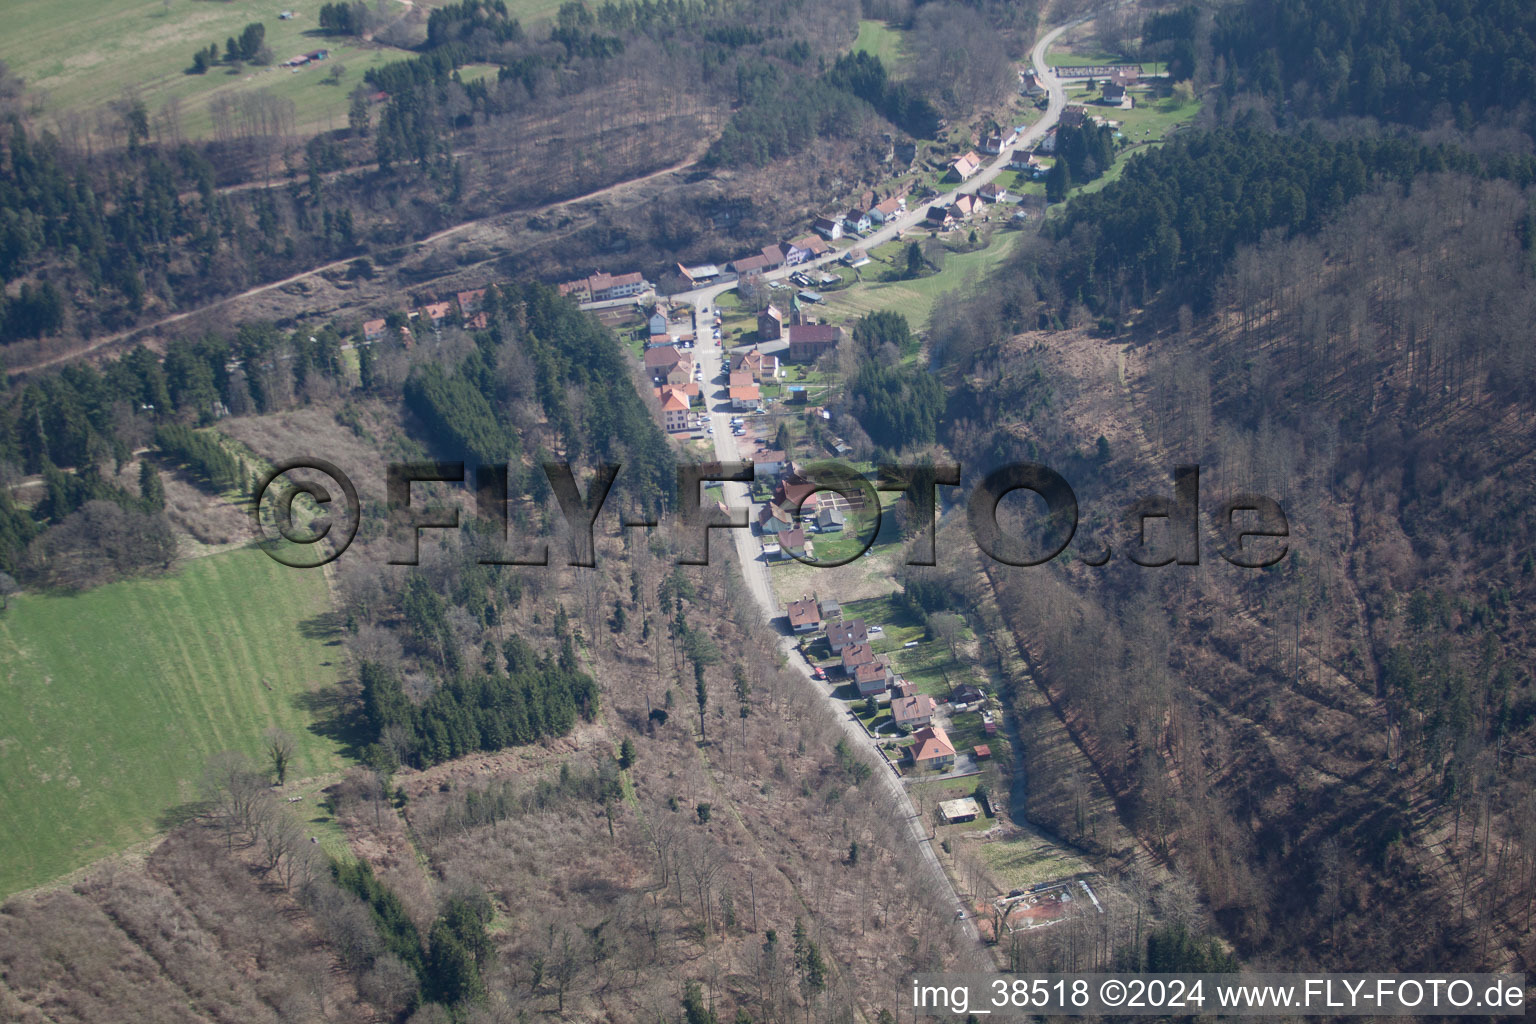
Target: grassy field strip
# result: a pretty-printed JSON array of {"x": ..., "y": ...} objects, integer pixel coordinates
[
  {"x": 915, "y": 298},
  {"x": 879, "y": 39},
  {"x": 111, "y": 701}
]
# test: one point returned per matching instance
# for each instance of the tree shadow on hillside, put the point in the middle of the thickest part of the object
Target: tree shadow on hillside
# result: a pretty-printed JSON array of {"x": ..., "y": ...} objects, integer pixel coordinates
[
  {"x": 180, "y": 814},
  {"x": 337, "y": 715},
  {"x": 326, "y": 626}
]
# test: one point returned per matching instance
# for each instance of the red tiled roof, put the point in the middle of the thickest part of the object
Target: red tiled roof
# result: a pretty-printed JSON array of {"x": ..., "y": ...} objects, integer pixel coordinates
[
  {"x": 804, "y": 612},
  {"x": 932, "y": 741}
]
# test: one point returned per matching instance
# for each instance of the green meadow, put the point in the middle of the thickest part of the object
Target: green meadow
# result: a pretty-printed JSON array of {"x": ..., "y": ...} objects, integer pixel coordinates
[{"x": 111, "y": 701}]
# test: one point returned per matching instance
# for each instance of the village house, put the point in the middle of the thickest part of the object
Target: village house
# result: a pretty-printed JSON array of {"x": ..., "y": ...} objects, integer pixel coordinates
[
  {"x": 809, "y": 246},
  {"x": 773, "y": 519},
  {"x": 1114, "y": 91},
  {"x": 939, "y": 218},
  {"x": 998, "y": 141},
  {"x": 993, "y": 193},
  {"x": 808, "y": 342},
  {"x": 886, "y": 209},
  {"x": 470, "y": 302},
  {"x": 857, "y": 221},
  {"x": 770, "y": 324},
  {"x": 804, "y": 616},
  {"x": 913, "y": 712},
  {"x": 1019, "y": 160},
  {"x": 658, "y": 323},
  {"x": 750, "y": 265},
  {"x": 794, "y": 543},
  {"x": 674, "y": 410},
  {"x": 963, "y": 207},
  {"x": 794, "y": 252},
  {"x": 768, "y": 462},
  {"x": 965, "y": 693},
  {"x": 437, "y": 312},
  {"x": 666, "y": 365},
  {"x": 1048, "y": 143},
  {"x": 774, "y": 257},
  {"x": 855, "y": 655},
  {"x": 843, "y": 634},
  {"x": 829, "y": 228},
  {"x": 760, "y": 365},
  {"x": 831, "y": 611},
  {"x": 746, "y": 397},
  {"x": 373, "y": 330},
  {"x": 604, "y": 287},
  {"x": 873, "y": 678},
  {"x": 829, "y": 519},
  {"x": 963, "y": 168},
  {"x": 931, "y": 748}
]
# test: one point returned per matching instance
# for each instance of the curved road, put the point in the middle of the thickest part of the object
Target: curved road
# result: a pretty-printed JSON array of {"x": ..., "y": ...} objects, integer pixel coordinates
[
  {"x": 702, "y": 299},
  {"x": 754, "y": 570}
]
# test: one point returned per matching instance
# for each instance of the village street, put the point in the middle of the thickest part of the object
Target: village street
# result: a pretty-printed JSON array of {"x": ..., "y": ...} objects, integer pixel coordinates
[{"x": 755, "y": 571}]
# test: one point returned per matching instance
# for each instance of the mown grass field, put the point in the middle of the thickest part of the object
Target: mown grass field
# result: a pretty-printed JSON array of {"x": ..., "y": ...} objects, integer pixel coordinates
[
  {"x": 111, "y": 701},
  {"x": 915, "y": 298},
  {"x": 881, "y": 40},
  {"x": 84, "y": 54},
  {"x": 81, "y": 55}
]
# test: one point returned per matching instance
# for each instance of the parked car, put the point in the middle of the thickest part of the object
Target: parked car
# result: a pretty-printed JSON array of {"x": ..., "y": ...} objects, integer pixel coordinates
[{"x": 819, "y": 672}]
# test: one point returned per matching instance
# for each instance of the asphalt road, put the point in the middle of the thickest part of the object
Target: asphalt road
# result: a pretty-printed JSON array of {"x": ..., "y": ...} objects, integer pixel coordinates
[{"x": 754, "y": 570}]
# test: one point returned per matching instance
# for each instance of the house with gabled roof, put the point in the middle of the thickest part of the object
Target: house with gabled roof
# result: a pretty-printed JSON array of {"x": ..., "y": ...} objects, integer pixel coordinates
[
  {"x": 931, "y": 747},
  {"x": 674, "y": 410},
  {"x": 794, "y": 543},
  {"x": 470, "y": 302},
  {"x": 855, "y": 655},
  {"x": 873, "y": 678},
  {"x": 761, "y": 365},
  {"x": 768, "y": 462},
  {"x": 746, "y": 397},
  {"x": 666, "y": 365},
  {"x": 808, "y": 342},
  {"x": 965, "y": 167},
  {"x": 773, "y": 519},
  {"x": 830, "y": 228},
  {"x": 842, "y": 634},
  {"x": 886, "y": 209},
  {"x": 939, "y": 218},
  {"x": 770, "y": 324},
  {"x": 437, "y": 312},
  {"x": 914, "y": 712},
  {"x": 804, "y": 615},
  {"x": 373, "y": 330}
]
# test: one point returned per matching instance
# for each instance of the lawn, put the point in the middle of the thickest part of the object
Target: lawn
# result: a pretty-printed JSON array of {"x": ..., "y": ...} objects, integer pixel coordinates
[
  {"x": 83, "y": 54},
  {"x": 112, "y": 700},
  {"x": 1029, "y": 860},
  {"x": 915, "y": 298},
  {"x": 879, "y": 39}
]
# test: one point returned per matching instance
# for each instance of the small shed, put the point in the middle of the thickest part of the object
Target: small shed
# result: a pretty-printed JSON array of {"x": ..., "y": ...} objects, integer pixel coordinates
[{"x": 963, "y": 809}]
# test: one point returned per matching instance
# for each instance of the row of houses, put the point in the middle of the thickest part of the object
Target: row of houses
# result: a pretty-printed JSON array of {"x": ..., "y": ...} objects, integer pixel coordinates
[
  {"x": 603, "y": 287},
  {"x": 785, "y": 254}
]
